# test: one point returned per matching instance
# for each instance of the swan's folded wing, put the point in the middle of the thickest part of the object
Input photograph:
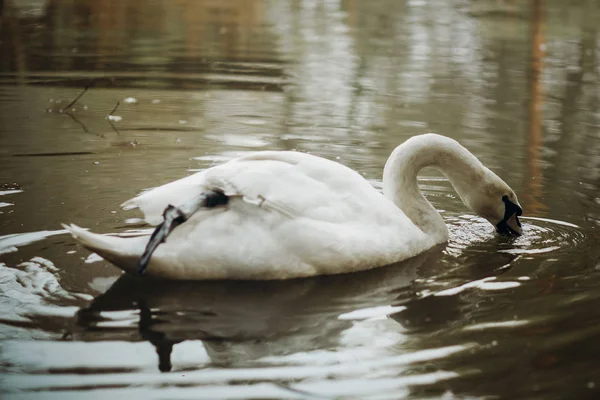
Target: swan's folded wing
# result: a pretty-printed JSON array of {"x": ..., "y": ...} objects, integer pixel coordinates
[
  {"x": 295, "y": 184},
  {"x": 154, "y": 201},
  {"x": 298, "y": 185}
]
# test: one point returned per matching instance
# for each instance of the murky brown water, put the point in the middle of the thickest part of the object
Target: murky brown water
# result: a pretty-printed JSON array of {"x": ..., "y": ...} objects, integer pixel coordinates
[{"x": 517, "y": 82}]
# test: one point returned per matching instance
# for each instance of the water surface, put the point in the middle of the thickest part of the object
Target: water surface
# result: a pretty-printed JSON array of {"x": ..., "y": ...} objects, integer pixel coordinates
[{"x": 178, "y": 86}]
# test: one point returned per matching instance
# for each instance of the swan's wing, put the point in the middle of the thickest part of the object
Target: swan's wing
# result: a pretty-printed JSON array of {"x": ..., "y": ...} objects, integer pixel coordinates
[
  {"x": 154, "y": 201},
  {"x": 293, "y": 183}
]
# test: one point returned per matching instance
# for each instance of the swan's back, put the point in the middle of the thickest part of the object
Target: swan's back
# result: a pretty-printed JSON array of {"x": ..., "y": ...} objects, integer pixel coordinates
[{"x": 294, "y": 183}]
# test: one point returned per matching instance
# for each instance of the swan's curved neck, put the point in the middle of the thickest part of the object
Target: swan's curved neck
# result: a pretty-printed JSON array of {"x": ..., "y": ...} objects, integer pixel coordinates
[{"x": 462, "y": 169}]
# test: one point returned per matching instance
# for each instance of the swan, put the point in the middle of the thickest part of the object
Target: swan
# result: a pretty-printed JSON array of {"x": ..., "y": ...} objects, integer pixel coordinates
[{"x": 285, "y": 214}]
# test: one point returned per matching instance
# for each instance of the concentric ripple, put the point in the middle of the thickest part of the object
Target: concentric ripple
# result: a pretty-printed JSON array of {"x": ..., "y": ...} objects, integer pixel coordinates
[
  {"x": 540, "y": 235},
  {"x": 543, "y": 235}
]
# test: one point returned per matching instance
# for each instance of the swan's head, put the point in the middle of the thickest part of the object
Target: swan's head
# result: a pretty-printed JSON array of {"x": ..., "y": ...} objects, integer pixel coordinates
[{"x": 495, "y": 201}]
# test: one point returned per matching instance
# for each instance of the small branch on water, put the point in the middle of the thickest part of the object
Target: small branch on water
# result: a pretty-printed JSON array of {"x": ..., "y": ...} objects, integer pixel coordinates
[
  {"x": 85, "y": 89},
  {"x": 83, "y": 126},
  {"x": 78, "y": 121},
  {"x": 114, "y": 109},
  {"x": 114, "y": 127}
]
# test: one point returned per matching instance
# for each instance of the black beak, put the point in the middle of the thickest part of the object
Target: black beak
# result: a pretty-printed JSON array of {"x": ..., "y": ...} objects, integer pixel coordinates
[{"x": 510, "y": 224}]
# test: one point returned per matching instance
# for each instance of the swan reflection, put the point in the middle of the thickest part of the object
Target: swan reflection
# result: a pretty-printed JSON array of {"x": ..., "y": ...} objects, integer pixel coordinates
[
  {"x": 243, "y": 321},
  {"x": 240, "y": 321}
]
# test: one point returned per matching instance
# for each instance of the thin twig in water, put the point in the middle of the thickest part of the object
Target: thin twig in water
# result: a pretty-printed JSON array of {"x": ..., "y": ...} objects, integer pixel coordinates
[
  {"x": 78, "y": 121},
  {"x": 85, "y": 89},
  {"x": 114, "y": 127},
  {"x": 114, "y": 109}
]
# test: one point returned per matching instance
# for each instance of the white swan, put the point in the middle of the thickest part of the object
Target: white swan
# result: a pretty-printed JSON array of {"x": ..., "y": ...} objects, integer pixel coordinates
[{"x": 280, "y": 215}]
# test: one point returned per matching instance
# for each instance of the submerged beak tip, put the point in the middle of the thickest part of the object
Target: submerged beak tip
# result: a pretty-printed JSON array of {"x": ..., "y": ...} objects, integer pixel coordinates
[
  {"x": 511, "y": 226},
  {"x": 514, "y": 225}
]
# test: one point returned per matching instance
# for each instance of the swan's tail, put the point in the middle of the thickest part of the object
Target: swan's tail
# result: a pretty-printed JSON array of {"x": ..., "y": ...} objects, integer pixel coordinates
[{"x": 125, "y": 253}]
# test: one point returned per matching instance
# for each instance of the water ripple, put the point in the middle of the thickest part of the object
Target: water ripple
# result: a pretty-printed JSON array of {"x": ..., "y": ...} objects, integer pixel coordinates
[
  {"x": 31, "y": 297},
  {"x": 10, "y": 243},
  {"x": 540, "y": 235},
  {"x": 212, "y": 376}
]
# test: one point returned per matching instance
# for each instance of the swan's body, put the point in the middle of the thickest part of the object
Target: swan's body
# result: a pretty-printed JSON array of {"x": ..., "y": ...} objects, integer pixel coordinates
[{"x": 291, "y": 214}]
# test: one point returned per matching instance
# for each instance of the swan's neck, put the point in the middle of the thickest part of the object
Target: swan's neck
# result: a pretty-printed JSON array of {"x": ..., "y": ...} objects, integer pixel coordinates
[{"x": 462, "y": 169}]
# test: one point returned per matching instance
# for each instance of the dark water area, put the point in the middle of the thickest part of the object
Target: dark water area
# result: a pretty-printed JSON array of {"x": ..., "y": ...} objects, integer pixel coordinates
[{"x": 177, "y": 86}]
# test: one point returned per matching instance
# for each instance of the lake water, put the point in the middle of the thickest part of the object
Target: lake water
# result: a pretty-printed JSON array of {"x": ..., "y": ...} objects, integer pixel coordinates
[{"x": 178, "y": 86}]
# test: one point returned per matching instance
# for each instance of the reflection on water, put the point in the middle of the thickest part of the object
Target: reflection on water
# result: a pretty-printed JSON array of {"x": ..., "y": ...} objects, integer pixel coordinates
[
  {"x": 279, "y": 318},
  {"x": 534, "y": 189},
  {"x": 177, "y": 86}
]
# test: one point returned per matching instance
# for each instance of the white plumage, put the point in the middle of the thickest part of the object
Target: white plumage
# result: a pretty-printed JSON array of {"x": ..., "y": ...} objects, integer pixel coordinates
[{"x": 292, "y": 215}]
